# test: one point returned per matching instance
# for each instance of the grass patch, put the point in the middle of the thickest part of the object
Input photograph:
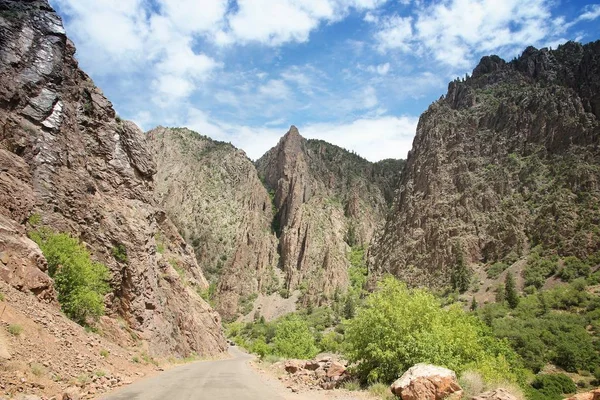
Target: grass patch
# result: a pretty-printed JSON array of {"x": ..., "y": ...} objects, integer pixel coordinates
[
  {"x": 382, "y": 391},
  {"x": 15, "y": 329},
  {"x": 37, "y": 369}
]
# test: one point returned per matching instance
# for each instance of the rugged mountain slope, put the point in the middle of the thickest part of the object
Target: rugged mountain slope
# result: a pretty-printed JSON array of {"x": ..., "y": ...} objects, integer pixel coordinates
[
  {"x": 68, "y": 158},
  {"x": 327, "y": 199},
  {"x": 506, "y": 161},
  {"x": 212, "y": 193}
]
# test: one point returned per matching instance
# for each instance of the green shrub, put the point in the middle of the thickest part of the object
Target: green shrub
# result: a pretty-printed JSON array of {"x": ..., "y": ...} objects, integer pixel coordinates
[
  {"x": 552, "y": 386},
  {"x": 331, "y": 342},
  {"x": 15, "y": 329},
  {"x": 573, "y": 268},
  {"x": 34, "y": 219},
  {"x": 399, "y": 327},
  {"x": 1, "y": 296},
  {"x": 104, "y": 353},
  {"x": 260, "y": 348},
  {"x": 496, "y": 269},
  {"x": 539, "y": 269},
  {"x": 119, "y": 252},
  {"x": 80, "y": 282},
  {"x": 293, "y": 339}
]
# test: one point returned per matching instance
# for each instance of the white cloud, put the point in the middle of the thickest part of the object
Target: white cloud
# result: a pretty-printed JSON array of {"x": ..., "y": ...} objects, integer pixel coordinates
[
  {"x": 286, "y": 20},
  {"x": 375, "y": 139},
  {"x": 275, "y": 88},
  {"x": 453, "y": 30},
  {"x": 117, "y": 37},
  {"x": 591, "y": 12}
]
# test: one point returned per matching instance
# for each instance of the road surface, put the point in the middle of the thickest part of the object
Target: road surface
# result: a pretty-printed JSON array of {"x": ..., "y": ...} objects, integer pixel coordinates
[{"x": 231, "y": 379}]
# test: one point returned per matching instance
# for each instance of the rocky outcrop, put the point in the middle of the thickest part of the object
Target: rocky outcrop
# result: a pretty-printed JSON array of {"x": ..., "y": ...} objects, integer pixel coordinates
[
  {"x": 70, "y": 161},
  {"x": 496, "y": 394},
  {"x": 212, "y": 193},
  {"x": 327, "y": 199},
  {"x": 427, "y": 382},
  {"x": 506, "y": 161}
]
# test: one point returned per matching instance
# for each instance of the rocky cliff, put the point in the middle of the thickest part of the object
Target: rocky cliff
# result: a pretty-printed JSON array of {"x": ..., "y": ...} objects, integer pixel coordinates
[
  {"x": 509, "y": 159},
  {"x": 69, "y": 160},
  {"x": 212, "y": 192},
  {"x": 327, "y": 200}
]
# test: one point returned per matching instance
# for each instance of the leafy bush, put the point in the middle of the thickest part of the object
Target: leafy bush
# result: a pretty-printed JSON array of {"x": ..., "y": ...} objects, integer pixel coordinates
[
  {"x": 119, "y": 252},
  {"x": 542, "y": 335},
  {"x": 80, "y": 282},
  {"x": 552, "y": 386},
  {"x": 496, "y": 269},
  {"x": 399, "y": 327},
  {"x": 538, "y": 269},
  {"x": 573, "y": 268},
  {"x": 293, "y": 339}
]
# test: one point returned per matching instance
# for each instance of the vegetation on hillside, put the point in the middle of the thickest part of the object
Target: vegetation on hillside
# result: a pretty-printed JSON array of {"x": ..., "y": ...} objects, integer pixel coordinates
[
  {"x": 81, "y": 283},
  {"x": 386, "y": 332}
]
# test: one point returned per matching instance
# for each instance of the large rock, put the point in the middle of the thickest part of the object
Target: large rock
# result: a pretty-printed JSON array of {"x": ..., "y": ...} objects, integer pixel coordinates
[
  {"x": 22, "y": 264},
  {"x": 593, "y": 395},
  {"x": 496, "y": 394},
  {"x": 427, "y": 382}
]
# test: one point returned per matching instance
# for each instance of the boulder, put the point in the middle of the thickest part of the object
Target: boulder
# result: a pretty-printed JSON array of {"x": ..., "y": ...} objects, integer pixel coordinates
[
  {"x": 427, "y": 382},
  {"x": 496, "y": 394},
  {"x": 593, "y": 395},
  {"x": 336, "y": 370},
  {"x": 292, "y": 366}
]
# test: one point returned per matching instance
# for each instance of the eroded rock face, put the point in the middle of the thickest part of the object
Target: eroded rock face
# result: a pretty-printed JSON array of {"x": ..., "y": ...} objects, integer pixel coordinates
[
  {"x": 427, "y": 382},
  {"x": 327, "y": 199},
  {"x": 212, "y": 193},
  {"x": 506, "y": 161},
  {"x": 84, "y": 171}
]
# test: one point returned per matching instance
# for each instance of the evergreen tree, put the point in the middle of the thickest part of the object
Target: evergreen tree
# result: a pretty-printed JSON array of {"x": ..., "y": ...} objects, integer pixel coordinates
[
  {"x": 510, "y": 290},
  {"x": 500, "y": 294},
  {"x": 461, "y": 275},
  {"x": 474, "y": 304}
]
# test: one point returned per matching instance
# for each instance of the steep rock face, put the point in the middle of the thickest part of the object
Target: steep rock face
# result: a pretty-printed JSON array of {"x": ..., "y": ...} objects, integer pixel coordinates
[
  {"x": 212, "y": 193},
  {"x": 327, "y": 199},
  {"x": 506, "y": 161},
  {"x": 67, "y": 157}
]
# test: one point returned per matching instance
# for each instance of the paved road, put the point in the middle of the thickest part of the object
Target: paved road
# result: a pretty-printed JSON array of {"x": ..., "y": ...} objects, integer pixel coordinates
[{"x": 231, "y": 379}]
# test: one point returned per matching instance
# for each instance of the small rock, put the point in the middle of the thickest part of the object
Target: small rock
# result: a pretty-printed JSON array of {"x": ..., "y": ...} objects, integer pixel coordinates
[
  {"x": 312, "y": 365},
  {"x": 71, "y": 393}
]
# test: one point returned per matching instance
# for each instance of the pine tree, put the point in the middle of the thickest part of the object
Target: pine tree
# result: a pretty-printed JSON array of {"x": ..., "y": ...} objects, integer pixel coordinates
[
  {"x": 474, "y": 304},
  {"x": 500, "y": 294},
  {"x": 510, "y": 290},
  {"x": 461, "y": 275}
]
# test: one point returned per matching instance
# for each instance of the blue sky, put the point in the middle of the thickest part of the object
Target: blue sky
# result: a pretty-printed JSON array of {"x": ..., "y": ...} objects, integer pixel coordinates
[{"x": 357, "y": 73}]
